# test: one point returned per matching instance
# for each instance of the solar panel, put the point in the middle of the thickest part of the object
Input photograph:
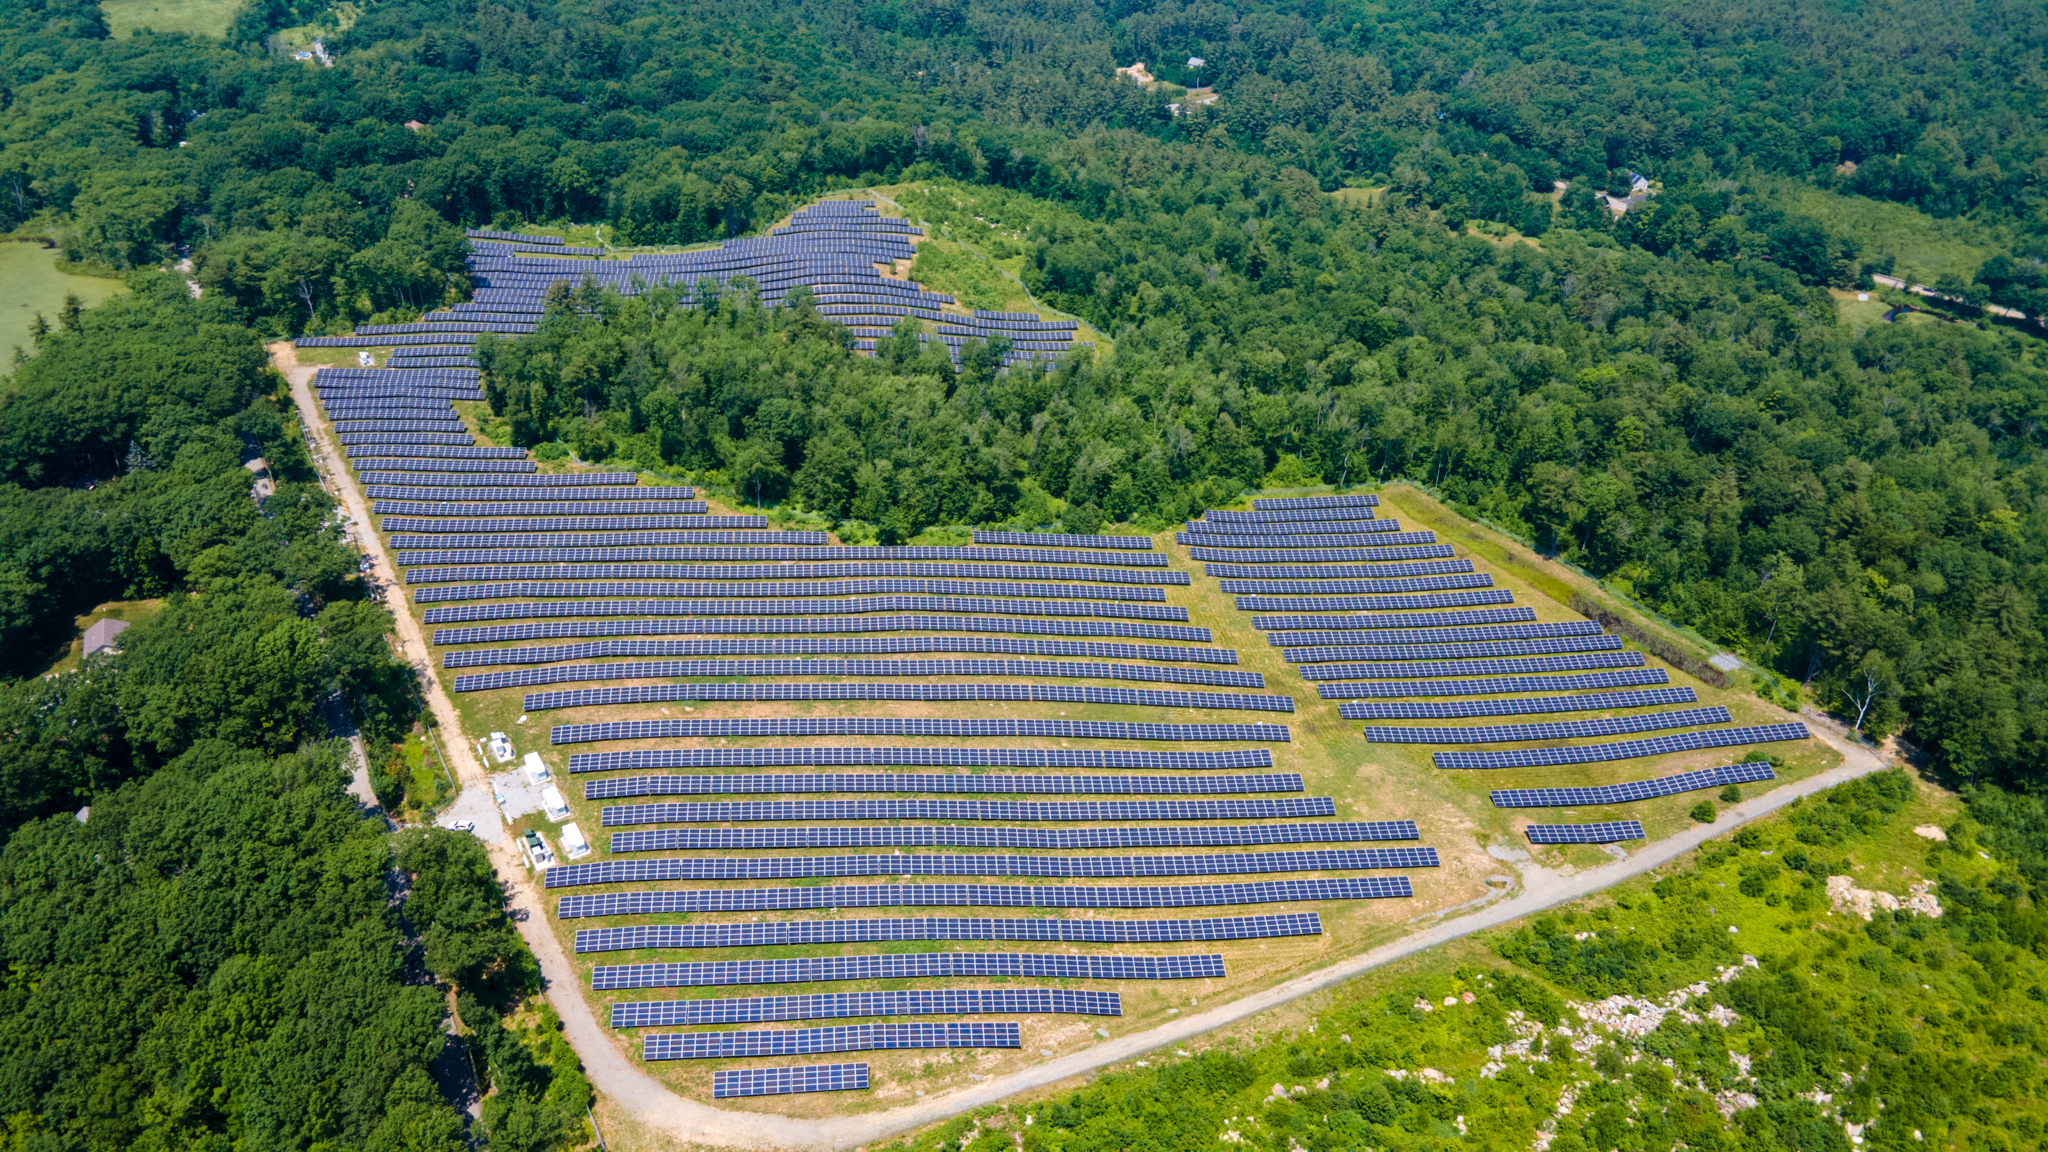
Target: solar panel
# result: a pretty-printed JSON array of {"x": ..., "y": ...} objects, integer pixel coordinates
[
  {"x": 693, "y": 524},
  {"x": 1372, "y": 603},
  {"x": 1035, "y": 693},
  {"x": 1558, "y": 730},
  {"x": 1330, "y": 512},
  {"x": 1255, "y": 590},
  {"x": 959, "y": 783},
  {"x": 1534, "y": 646},
  {"x": 1283, "y": 573},
  {"x": 1057, "y": 540},
  {"x": 1236, "y": 547},
  {"x": 920, "y": 757},
  {"x": 567, "y": 629},
  {"x": 1624, "y": 750},
  {"x": 1047, "y": 839},
  {"x": 1465, "y": 709},
  {"x": 1624, "y": 678},
  {"x": 1384, "y": 548},
  {"x": 499, "y": 547},
  {"x": 734, "y": 1083},
  {"x": 752, "y": 811},
  {"x": 1373, "y": 562},
  {"x": 1469, "y": 634},
  {"x": 1285, "y": 503},
  {"x": 748, "y": 591},
  {"x": 903, "y": 966},
  {"x": 651, "y": 669},
  {"x": 1411, "y": 670},
  {"x": 843, "y": 1005},
  {"x": 852, "y": 605},
  {"x": 1085, "y": 930},
  {"x": 983, "y": 864},
  {"x": 771, "y": 572},
  {"x": 875, "y": 726},
  {"x": 1609, "y": 832},
  {"x": 817, "y": 1041},
  {"x": 864, "y": 646},
  {"x": 1367, "y": 621},
  {"x": 1705, "y": 778}
]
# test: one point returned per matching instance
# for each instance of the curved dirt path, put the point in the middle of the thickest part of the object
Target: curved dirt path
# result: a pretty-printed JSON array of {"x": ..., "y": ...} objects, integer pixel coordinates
[{"x": 693, "y": 1122}]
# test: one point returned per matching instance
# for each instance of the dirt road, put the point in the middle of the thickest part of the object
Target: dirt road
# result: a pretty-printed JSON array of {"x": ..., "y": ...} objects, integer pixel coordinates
[{"x": 693, "y": 1122}]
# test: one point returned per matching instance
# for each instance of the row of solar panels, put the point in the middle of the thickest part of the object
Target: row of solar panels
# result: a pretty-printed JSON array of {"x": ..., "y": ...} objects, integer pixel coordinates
[
  {"x": 1344, "y": 630},
  {"x": 869, "y": 646},
  {"x": 704, "y": 626},
  {"x": 963, "y": 783},
  {"x": 1554, "y": 730},
  {"x": 1022, "y": 693},
  {"x": 816, "y": 1041},
  {"x": 527, "y": 677},
  {"x": 567, "y": 503},
  {"x": 553, "y": 480},
  {"x": 387, "y": 454},
  {"x": 907, "y": 726},
  {"x": 1623, "y": 750},
  {"x": 1088, "y": 930},
  {"x": 758, "y": 811},
  {"x": 812, "y": 897},
  {"x": 1516, "y": 706},
  {"x": 1705, "y": 778},
  {"x": 584, "y": 524},
  {"x": 514, "y": 549},
  {"x": 803, "y": 608},
  {"x": 647, "y": 759},
  {"x": 1438, "y": 583},
  {"x": 809, "y": 571},
  {"x": 739, "y": 1083},
  {"x": 903, "y": 966},
  {"x": 844, "y": 1005},
  {"x": 1018, "y": 839},
  {"x": 979, "y": 864},
  {"x": 753, "y": 591}
]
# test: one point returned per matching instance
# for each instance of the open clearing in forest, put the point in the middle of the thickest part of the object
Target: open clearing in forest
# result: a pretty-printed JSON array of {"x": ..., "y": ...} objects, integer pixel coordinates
[
  {"x": 30, "y": 283},
  {"x": 198, "y": 17}
]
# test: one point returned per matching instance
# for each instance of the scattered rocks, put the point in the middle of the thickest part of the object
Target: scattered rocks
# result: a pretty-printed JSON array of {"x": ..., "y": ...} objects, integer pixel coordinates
[
  {"x": 1931, "y": 832},
  {"x": 1845, "y": 896}
]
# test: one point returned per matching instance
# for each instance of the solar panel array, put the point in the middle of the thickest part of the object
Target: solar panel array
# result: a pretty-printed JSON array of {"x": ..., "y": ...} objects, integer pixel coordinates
[
  {"x": 877, "y": 726},
  {"x": 902, "y": 966},
  {"x": 1705, "y": 778},
  {"x": 644, "y": 583},
  {"x": 1410, "y": 669},
  {"x": 1467, "y": 709},
  {"x": 893, "y": 645},
  {"x": 733, "y": 1083},
  {"x": 1090, "y": 930},
  {"x": 754, "y": 811},
  {"x": 1036, "y": 693},
  {"x": 819, "y": 1041},
  {"x": 620, "y": 787},
  {"x": 844, "y": 1005},
  {"x": 1624, "y": 750},
  {"x": 1608, "y": 832},
  {"x": 716, "y": 626},
  {"x": 1555, "y": 730},
  {"x": 922, "y": 757},
  {"x": 1040, "y": 839},
  {"x": 1051, "y": 867}
]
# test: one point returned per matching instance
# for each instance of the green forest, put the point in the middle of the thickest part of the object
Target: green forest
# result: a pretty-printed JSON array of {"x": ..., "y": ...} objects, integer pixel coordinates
[{"x": 1385, "y": 251}]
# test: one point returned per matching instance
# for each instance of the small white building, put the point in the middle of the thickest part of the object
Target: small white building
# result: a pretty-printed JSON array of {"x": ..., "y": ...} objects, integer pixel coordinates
[
  {"x": 501, "y": 747},
  {"x": 551, "y": 802},
  {"x": 573, "y": 844},
  {"x": 536, "y": 769}
]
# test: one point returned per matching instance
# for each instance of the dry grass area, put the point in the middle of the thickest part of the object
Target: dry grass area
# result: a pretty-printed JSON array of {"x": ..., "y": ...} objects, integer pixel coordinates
[{"x": 1368, "y": 782}]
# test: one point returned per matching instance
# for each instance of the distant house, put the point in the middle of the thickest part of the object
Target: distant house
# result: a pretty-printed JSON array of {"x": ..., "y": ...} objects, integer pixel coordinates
[{"x": 101, "y": 637}]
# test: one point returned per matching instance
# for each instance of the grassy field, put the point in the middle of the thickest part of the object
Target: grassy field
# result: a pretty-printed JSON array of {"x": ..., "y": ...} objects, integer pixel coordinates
[
  {"x": 199, "y": 17},
  {"x": 1923, "y": 246},
  {"x": 30, "y": 283},
  {"x": 1367, "y": 782}
]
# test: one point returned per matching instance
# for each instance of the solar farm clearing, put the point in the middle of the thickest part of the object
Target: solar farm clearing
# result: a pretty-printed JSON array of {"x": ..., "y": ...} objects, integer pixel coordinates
[{"x": 956, "y": 809}]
